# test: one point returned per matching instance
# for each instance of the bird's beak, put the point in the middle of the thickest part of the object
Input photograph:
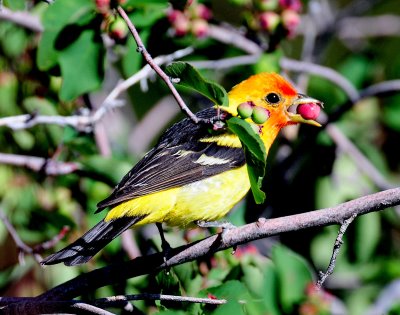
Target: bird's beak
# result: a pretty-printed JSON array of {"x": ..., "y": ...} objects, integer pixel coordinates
[{"x": 295, "y": 117}]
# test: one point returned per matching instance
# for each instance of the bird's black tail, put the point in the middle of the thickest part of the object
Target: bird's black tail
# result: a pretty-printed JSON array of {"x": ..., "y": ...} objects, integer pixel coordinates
[{"x": 91, "y": 242}]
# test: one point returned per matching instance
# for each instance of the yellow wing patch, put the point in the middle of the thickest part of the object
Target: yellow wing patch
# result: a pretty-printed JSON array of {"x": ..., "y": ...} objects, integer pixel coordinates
[{"x": 226, "y": 140}]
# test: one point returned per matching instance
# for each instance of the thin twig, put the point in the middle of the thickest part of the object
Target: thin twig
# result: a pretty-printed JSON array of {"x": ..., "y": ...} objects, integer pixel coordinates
[
  {"x": 105, "y": 302},
  {"x": 361, "y": 161},
  {"x": 351, "y": 28},
  {"x": 382, "y": 88},
  {"x": 231, "y": 36},
  {"x": 226, "y": 62},
  {"x": 85, "y": 121},
  {"x": 336, "y": 249},
  {"x": 24, "y": 249},
  {"x": 142, "y": 49},
  {"x": 39, "y": 164},
  {"x": 321, "y": 71},
  {"x": 52, "y": 242},
  {"x": 22, "y": 18},
  {"x": 34, "y": 306},
  {"x": 154, "y": 263}
]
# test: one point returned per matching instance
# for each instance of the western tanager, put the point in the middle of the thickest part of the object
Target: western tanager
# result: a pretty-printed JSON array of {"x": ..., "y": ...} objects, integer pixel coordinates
[{"x": 193, "y": 175}]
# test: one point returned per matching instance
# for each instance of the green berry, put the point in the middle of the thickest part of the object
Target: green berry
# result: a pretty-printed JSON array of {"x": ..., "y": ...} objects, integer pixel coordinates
[
  {"x": 245, "y": 110},
  {"x": 260, "y": 115}
]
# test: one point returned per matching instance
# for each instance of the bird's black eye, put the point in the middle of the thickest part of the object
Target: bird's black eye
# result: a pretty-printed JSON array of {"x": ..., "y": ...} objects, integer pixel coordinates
[{"x": 273, "y": 98}]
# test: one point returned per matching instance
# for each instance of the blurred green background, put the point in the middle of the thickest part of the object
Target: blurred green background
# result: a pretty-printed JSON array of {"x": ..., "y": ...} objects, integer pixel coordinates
[{"x": 64, "y": 58}]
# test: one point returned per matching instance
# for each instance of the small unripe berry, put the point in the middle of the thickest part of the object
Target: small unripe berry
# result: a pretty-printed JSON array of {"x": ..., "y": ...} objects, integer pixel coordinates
[
  {"x": 245, "y": 109},
  {"x": 103, "y": 6},
  {"x": 308, "y": 110},
  {"x": 290, "y": 20},
  {"x": 260, "y": 115},
  {"x": 202, "y": 12},
  {"x": 199, "y": 28},
  {"x": 181, "y": 25},
  {"x": 269, "y": 21},
  {"x": 118, "y": 29},
  {"x": 174, "y": 15}
]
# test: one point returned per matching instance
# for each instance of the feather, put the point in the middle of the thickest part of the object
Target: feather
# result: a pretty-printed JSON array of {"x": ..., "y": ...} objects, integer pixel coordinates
[
  {"x": 91, "y": 242},
  {"x": 180, "y": 158}
]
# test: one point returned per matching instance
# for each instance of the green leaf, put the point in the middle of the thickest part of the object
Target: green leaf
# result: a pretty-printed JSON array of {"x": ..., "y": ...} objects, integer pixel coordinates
[
  {"x": 294, "y": 275},
  {"x": 15, "y": 4},
  {"x": 391, "y": 112},
  {"x": 82, "y": 66},
  {"x": 355, "y": 68},
  {"x": 55, "y": 19},
  {"x": 237, "y": 296},
  {"x": 256, "y": 155},
  {"x": 192, "y": 79},
  {"x": 148, "y": 16},
  {"x": 24, "y": 139},
  {"x": 367, "y": 236},
  {"x": 269, "y": 62},
  {"x": 13, "y": 40}
]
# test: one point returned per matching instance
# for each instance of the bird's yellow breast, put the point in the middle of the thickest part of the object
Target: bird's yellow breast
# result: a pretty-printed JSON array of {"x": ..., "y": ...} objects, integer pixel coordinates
[{"x": 209, "y": 199}]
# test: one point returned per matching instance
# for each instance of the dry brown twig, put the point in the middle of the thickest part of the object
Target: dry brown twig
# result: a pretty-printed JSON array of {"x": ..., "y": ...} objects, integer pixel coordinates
[
  {"x": 24, "y": 249},
  {"x": 154, "y": 263},
  {"x": 150, "y": 61}
]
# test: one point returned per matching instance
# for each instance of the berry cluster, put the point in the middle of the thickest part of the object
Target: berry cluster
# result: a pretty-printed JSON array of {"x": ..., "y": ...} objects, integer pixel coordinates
[
  {"x": 257, "y": 114},
  {"x": 114, "y": 25},
  {"x": 272, "y": 14},
  {"x": 193, "y": 19}
]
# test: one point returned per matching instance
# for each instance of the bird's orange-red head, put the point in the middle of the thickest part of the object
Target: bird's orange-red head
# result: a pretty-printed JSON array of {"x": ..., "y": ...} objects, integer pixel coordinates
[{"x": 273, "y": 93}]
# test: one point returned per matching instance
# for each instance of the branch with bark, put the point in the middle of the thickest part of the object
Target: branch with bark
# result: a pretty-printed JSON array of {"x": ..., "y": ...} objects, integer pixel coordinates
[{"x": 152, "y": 264}]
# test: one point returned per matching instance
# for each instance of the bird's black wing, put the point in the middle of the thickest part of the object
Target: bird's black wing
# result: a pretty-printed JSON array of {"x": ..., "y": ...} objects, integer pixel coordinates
[{"x": 177, "y": 160}]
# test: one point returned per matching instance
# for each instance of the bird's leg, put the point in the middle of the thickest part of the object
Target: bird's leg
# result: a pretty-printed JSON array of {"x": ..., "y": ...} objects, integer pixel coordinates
[
  {"x": 225, "y": 225},
  {"x": 164, "y": 244}
]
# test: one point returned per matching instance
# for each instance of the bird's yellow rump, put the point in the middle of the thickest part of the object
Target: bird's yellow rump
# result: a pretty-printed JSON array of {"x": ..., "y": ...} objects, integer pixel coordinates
[{"x": 192, "y": 174}]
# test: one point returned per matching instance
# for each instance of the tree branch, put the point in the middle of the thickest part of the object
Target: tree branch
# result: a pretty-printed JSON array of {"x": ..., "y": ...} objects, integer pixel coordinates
[
  {"x": 336, "y": 248},
  {"x": 142, "y": 49},
  {"x": 24, "y": 249},
  {"x": 39, "y": 164},
  {"x": 154, "y": 263},
  {"x": 118, "y": 299},
  {"x": 85, "y": 122},
  {"x": 324, "y": 72},
  {"x": 22, "y": 18},
  {"x": 362, "y": 162},
  {"x": 34, "y": 307}
]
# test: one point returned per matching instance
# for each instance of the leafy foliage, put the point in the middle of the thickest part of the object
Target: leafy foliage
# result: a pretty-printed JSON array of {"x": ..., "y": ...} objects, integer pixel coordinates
[
  {"x": 189, "y": 77},
  {"x": 68, "y": 69},
  {"x": 256, "y": 155}
]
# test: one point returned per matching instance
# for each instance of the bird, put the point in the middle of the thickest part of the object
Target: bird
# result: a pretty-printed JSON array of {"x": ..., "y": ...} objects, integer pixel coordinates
[{"x": 194, "y": 175}]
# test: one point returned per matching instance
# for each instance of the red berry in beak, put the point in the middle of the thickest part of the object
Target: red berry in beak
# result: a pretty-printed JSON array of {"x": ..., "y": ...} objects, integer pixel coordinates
[{"x": 309, "y": 111}]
